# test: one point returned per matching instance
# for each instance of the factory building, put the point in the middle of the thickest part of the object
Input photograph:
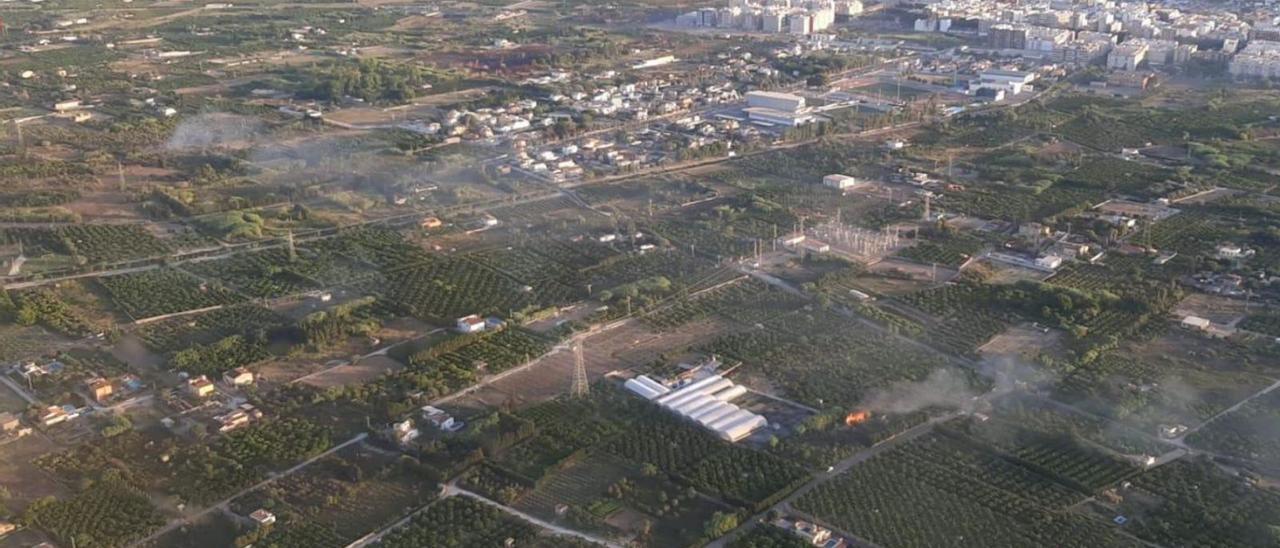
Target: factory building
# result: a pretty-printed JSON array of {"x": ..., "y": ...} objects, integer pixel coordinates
[{"x": 705, "y": 401}]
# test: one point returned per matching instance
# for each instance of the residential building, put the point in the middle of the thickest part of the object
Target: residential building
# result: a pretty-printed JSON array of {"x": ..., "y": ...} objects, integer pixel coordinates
[
  {"x": 200, "y": 387},
  {"x": 239, "y": 376},
  {"x": 1259, "y": 59},
  {"x": 262, "y": 517},
  {"x": 1127, "y": 56},
  {"x": 839, "y": 182},
  {"x": 99, "y": 389},
  {"x": 470, "y": 324}
]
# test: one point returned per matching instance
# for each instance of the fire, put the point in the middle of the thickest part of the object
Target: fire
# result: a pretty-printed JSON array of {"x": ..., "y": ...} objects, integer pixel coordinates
[{"x": 857, "y": 417}]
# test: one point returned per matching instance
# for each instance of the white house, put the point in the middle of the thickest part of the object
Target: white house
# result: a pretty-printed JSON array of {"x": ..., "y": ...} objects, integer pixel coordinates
[
  {"x": 470, "y": 324},
  {"x": 839, "y": 182},
  {"x": 1196, "y": 322}
]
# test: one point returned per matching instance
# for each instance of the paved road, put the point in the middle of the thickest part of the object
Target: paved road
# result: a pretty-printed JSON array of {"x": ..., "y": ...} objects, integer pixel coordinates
[{"x": 220, "y": 505}]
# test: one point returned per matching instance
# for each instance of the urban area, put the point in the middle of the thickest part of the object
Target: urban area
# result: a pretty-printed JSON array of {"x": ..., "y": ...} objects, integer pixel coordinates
[{"x": 639, "y": 273}]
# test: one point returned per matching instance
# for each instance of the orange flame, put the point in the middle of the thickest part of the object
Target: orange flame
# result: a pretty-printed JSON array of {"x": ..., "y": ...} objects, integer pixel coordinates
[{"x": 857, "y": 417}]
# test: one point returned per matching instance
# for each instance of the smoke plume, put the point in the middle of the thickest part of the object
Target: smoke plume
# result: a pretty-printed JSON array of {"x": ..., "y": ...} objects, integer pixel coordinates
[{"x": 214, "y": 130}]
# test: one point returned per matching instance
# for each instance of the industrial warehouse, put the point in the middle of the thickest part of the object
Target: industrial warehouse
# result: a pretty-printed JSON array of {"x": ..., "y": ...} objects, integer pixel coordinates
[{"x": 705, "y": 401}]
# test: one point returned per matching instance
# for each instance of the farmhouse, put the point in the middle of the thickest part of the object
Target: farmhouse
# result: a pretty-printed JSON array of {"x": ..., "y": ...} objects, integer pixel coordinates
[
  {"x": 262, "y": 517},
  {"x": 441, "y": 420},
  {"x": 839, "y": 182},
  {"x": 1196, "y": 322},
  {"x": 470, "y": 324}
]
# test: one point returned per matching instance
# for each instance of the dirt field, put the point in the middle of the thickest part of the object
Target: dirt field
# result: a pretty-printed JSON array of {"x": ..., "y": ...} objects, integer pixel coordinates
[
  {"x": 11, "y": 402},
  {"x": 914, "y": 270},
  {"x": 1023, "y": 342},
  {"x": 1219, "y": 310},
  {"x": 16, "y": 473},
  {"x": 18, "y": 343},
  {"x": 130, "y": 350},
  {"x": 363, "y": 371}
]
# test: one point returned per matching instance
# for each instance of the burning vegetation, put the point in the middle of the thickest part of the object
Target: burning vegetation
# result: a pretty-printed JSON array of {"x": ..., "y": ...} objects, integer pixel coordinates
[{"x": 856, "y": 417}]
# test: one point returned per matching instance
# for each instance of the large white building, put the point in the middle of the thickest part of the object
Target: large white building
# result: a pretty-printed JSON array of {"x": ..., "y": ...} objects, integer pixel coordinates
[
  {"x": 1260, "y": 59},
  {"x": 800, "y": 18},
  {"x": 772, "y": 108},
  {"x": 777, "y": 101},
  {"x": 705, "y": 401},
  {"x": 1127, "y": 56},
  {"x": 1008, "y": 81}
]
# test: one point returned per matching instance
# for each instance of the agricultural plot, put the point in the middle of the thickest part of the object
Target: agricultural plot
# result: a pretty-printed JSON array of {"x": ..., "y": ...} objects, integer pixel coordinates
[
  {"x": 164, "y": 291},
  {"x": 732, "y": 473},
  {"x": 1267, "y": 324},
  {"x": 210, "y": 472},
  {"x": 1188, "y": 233},
  {"x": 443, "y": 289},
  {"x": 616, "y": 462},
  {"x": 563, "y": 430},
  {"x": 1248, "y": 432},
  {"x": 460, "y": 521},
  {"x": 632, "y": 268},
  {"x": 965, "y": 316},
  {"x": 529, "y": 264},
  {"x": 271, "y": 273},
  {"x": 581, "y": 485},
  {"x": 174, "y": 334},
  {"x": 1092, "y": 277},
  {"x": 704, "y": 238},
  {"x": 109, "y": 512},
  {"x": 946, "y": 251},
  {"x": 1020, "y": 205},
  {"x": 97, "y": 244},
  {"x": 1168, "y": 380},
  {"x": 1111, "y": 124},
  {"x": 746, "y": 301},
  {"x": 443, "y": 369},
  {"x": 381, "y": 247},
  {"x": 1199, "y": 505},
  {"x": 823, "y": 359},
  {"x": 45, "y": 307},
  {"x": 112, "y": 243},
  {"x": 768, "y": 536},
  {"x": 339, "y": 499},
  {"x": 1017, "y": 423},
  {"x": 1122, "y": 176},
  {"x": 943, "y": 491}
]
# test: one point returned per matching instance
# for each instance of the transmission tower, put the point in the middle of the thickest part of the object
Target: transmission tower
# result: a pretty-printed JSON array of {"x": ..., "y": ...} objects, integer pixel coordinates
[{"x": 579, "y": 388}]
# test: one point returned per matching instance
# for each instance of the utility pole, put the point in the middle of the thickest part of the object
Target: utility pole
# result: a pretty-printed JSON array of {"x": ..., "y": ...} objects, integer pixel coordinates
[{"x": 579, "y": 388}]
